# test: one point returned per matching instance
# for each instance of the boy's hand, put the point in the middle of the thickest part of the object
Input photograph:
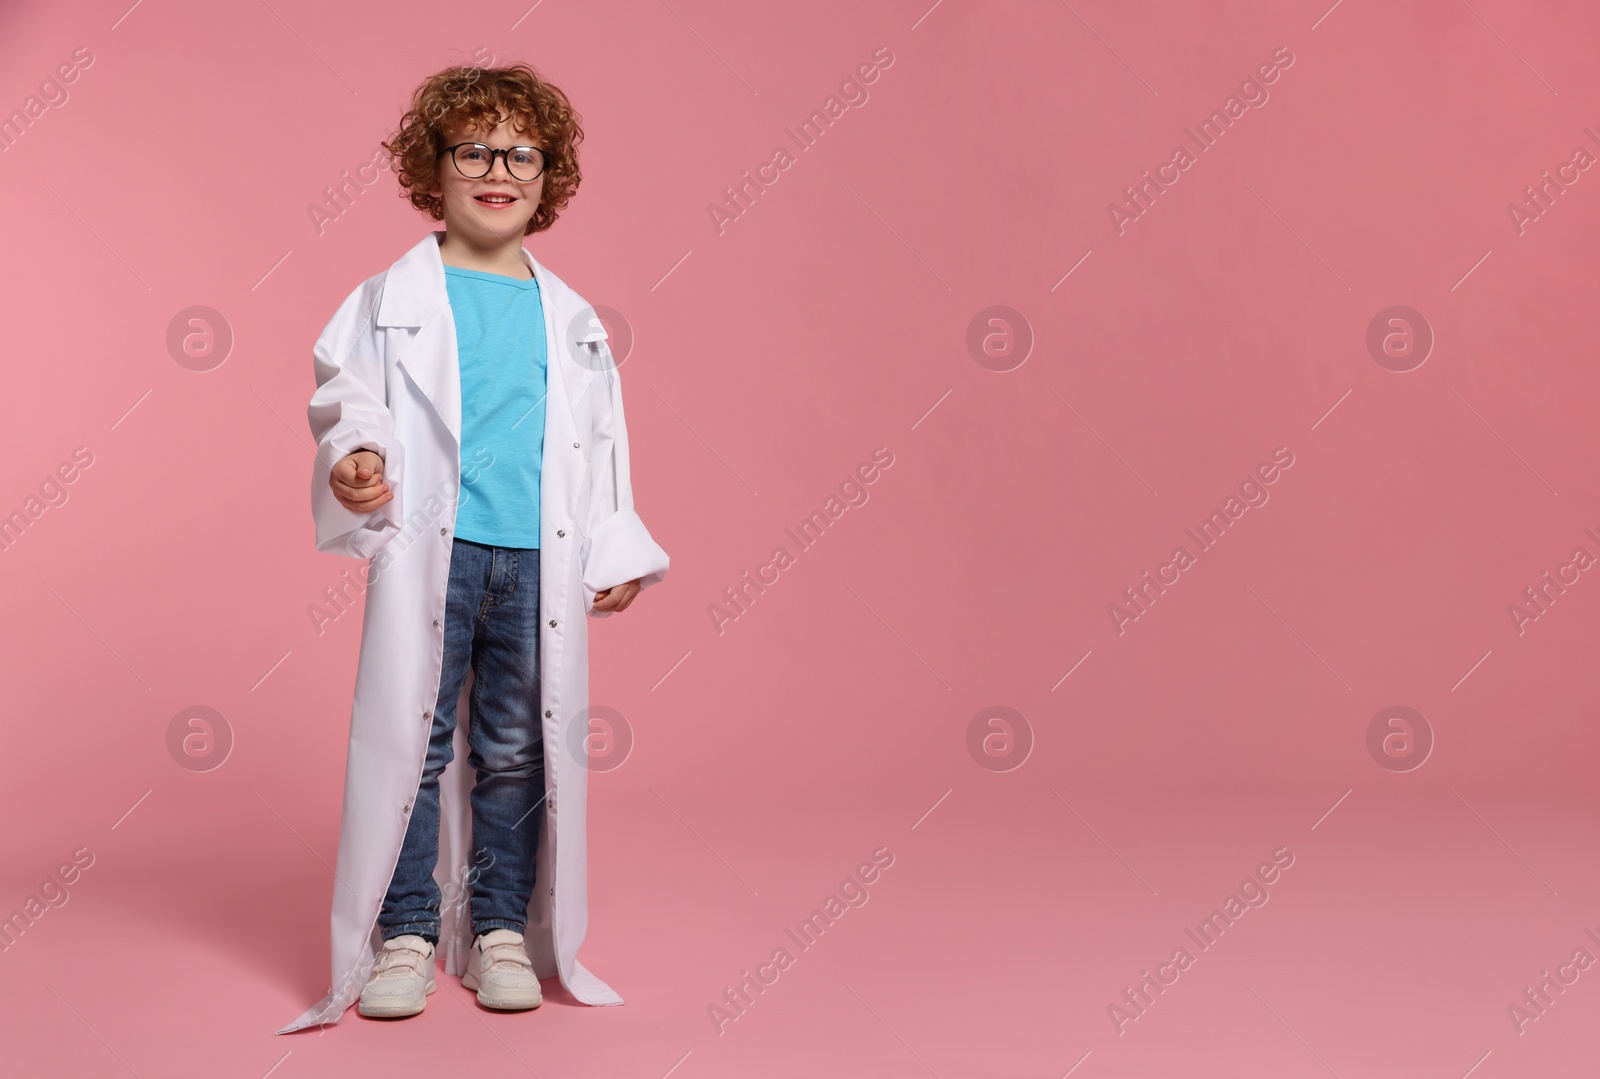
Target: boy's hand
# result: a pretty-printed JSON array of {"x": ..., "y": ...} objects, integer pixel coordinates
[
  {"x": 618, "y": 598},
  {"x": 357, "y": 482}
]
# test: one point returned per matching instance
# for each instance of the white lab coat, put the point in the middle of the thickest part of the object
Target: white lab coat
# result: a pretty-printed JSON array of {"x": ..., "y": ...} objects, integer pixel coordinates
[{"x": 388, "y": 380}]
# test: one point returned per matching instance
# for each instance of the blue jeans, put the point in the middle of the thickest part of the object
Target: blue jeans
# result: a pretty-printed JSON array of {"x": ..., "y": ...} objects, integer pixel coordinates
[{"x": 492, "y": 621}]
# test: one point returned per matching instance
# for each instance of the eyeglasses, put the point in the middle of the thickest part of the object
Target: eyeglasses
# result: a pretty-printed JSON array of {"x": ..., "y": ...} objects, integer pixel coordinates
[{"x": 474, "y": 160}]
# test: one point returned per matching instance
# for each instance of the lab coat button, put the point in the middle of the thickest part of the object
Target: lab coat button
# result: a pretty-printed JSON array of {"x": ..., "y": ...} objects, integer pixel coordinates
[
  {"x": 560, "y": 533},
  {"x": 407, "y": 809},
  {"x": 435, "y": 623},
  {"x": 427, "y": 715},
  {"x": 442, "y": 531},
  {"x": 574, "y": 445},
  {"x": 552, "y": 622},
  {"x": 548, "y": 713}
]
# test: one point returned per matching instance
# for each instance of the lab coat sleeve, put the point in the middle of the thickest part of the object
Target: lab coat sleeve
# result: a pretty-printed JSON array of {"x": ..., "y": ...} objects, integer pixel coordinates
[
  {"x": 349, "y": 412},
  {"x": 619, "y": 548}
]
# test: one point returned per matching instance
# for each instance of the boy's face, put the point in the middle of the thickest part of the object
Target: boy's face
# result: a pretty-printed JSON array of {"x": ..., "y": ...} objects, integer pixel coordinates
[{"x": 466, "y": 208}]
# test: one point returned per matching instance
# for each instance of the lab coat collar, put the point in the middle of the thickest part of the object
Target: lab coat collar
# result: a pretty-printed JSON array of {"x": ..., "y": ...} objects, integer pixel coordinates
[
  {"x": 414, "y": 286},
  {"x": 414, "y": 295}
]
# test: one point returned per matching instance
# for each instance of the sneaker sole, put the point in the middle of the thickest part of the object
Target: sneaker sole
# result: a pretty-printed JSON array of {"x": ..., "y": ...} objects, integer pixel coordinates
[
  {"x": 397, "y": 1011},
  {"x": 517, "y": 1003}
]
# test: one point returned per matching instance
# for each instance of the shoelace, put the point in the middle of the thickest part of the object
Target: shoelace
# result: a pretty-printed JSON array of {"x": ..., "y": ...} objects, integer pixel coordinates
[{"x": 400, "y": 962}]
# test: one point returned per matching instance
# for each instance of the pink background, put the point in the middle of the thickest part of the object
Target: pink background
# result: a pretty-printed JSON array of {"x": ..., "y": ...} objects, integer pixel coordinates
[{"x": 832, "y": 717}]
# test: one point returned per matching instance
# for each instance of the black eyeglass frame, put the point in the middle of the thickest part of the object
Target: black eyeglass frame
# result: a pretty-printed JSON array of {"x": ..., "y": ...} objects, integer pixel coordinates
[{"x": 505, "y": 154}]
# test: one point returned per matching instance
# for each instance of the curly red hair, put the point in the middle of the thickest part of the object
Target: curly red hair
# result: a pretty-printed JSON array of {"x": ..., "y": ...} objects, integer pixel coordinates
[{"x": 475, "y": 98}]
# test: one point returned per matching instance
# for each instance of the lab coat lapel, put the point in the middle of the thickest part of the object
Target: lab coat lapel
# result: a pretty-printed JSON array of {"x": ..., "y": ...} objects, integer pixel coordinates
[
  {"x": 414, "y": 295},
  {"x": 562, "y": 333}
]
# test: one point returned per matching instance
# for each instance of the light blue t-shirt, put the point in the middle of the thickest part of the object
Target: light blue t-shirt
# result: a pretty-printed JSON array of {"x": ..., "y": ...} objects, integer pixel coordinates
[{"x": 500, "y": 341}]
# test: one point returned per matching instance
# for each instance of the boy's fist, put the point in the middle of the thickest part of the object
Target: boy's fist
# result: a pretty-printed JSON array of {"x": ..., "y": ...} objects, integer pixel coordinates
[
  {"x": 357, "y": 482},
  {"x": 618, "y": 598}
]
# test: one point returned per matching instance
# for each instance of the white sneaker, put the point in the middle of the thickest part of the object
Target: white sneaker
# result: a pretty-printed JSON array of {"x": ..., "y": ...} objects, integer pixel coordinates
[
  {"x": 501, "y": 972},
  {"x": 401, "y": 980}
]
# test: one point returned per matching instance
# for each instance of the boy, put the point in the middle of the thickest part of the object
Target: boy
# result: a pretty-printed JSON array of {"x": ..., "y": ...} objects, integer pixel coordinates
[{"x": 470, "y": 388}]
